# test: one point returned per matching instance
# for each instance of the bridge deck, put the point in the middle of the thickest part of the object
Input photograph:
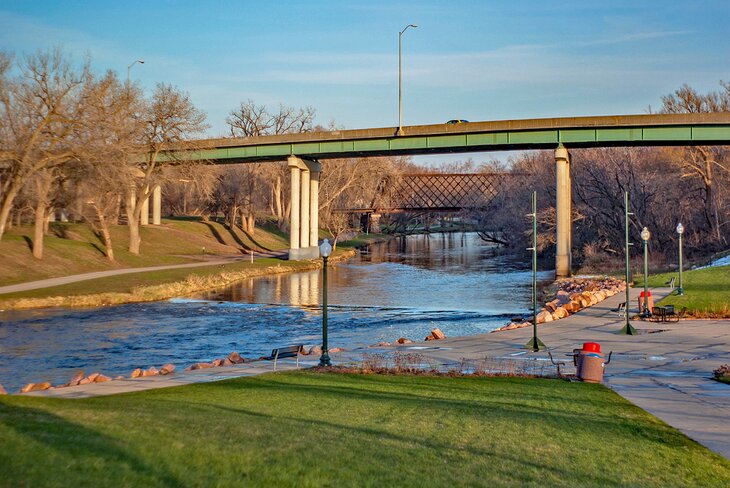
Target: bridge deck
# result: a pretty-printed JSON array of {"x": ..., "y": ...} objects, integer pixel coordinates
[{"x": 619, "y": 130}]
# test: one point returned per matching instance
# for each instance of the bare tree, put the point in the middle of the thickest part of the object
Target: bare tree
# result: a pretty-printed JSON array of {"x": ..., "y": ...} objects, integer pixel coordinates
[
  {"x": 37, "y": 113},
  {"x": 703, "y": 162},
  {"x": 169, "y": 118},
  {"x": 250, "y": 119}
]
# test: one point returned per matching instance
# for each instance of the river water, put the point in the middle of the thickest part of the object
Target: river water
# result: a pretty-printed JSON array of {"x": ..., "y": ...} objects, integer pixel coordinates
[{"x": 402, "y": 288}]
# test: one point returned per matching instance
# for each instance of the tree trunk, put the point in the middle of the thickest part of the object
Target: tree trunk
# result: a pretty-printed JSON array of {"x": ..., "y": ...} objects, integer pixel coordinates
[
  {"x": 132, "y": 223},
  {"x": 105, "y": 234},
  {"x": 40, "y": 218},
  {"x": 7, "y": 205}
]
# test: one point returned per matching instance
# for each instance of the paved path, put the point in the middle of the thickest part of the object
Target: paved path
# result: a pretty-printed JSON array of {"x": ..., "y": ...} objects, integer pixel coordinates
[
  {"x": 63, "y": 280},
  {"x": 666, "y": 373}
]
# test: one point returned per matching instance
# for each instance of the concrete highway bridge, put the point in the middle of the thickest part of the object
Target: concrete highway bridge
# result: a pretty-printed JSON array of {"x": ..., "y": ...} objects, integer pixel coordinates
[{"x": 303, "y": 151}]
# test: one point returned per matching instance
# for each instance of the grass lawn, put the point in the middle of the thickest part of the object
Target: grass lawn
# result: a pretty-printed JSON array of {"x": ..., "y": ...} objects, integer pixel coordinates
[
  {"x": 313, "y": 429},
  {"x": 706, "y": 291}
]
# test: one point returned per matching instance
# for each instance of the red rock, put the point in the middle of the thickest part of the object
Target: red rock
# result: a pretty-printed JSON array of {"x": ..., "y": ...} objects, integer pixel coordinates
[
  {"x": 227, "y": 362},
  {"x": 336, "y": 349},
  {"x": 544, "y": 316},
  {"x": 75, "y": 380},
  {"x": 235, "y": 358},
  {"x": 85, "y": 381},
  {"x": 195, "y": 366},
  {"x": 167, "y": 369},
  {"x": 136, "y": 373},
  {"x": 437, "y": 334},
  {"x": 561, "y": 312},
  {"x": 3, "y": 391},
  {"x": 550, "y": 307},
  {"x": 383, "y": 344},
  {"x": 92, "y": 377},
  {"x": 101, "y": 378},
  {"x": 403, "y": 340},
  {"x": 35, "y": 387},
  {"x": 315, "y": 351},
  {"x": 216, "y": 362},
  {"x": 120, "y": 377},
  {"x": 150, "y": 372}
]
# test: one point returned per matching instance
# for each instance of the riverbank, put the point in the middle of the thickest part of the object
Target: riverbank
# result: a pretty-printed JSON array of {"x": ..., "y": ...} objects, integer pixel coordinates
[{"x": 201, "y": 281}]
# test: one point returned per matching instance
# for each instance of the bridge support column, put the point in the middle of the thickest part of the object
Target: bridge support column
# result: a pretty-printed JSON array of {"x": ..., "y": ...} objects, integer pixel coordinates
[
  {"x": 157, "y": 205},
  {"x": 304, "y": 215},
  {"x": 563, "y": 213}
]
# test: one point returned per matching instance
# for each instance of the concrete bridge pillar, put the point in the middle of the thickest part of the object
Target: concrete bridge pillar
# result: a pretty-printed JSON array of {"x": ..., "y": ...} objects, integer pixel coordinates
[
  {"x": 144, "y": 218},
  {"x": 157, "y": 205},
  {"x": 563, "y": 211},
  {"x": 304, "y": 215}
]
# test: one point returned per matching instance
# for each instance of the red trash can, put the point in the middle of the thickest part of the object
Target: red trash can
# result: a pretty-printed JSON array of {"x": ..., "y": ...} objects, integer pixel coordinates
[{"x": 590, "y": 363}]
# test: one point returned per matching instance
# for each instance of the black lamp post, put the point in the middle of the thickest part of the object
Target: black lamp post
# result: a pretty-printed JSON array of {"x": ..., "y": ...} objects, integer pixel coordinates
[
  {"x": 680, "y": 231},
  {"x": 627, "y": 328},
  {"x": 645, "y": 235},
  {"x": 325, "y": 249},
  {"x": 535, "y": 344}
]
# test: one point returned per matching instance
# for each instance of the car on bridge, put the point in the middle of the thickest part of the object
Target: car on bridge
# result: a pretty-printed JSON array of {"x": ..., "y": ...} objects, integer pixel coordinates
[{"x": 457, "y": 121}]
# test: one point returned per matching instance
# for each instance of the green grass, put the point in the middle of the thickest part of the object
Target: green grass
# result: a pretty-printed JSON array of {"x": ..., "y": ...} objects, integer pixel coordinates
[
  {"x": 73, "y": 248},
  {"x": 706, "y": 291},
  {"x": 312, "y": 429}
]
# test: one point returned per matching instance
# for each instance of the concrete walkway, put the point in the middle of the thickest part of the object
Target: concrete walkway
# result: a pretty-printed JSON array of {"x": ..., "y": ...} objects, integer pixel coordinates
[
  {"x": 64, "y": 280},
  {"x": 666, "y": 369}
]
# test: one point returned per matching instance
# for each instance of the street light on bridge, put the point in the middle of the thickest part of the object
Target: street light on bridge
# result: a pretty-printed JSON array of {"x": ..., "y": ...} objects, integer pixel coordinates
[
  {"x": 400, "y": 78},
  {"x": 129, "y": 68}
]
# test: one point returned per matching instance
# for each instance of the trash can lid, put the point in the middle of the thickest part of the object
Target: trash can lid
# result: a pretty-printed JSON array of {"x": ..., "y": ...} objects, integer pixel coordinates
[
  {"x": 642, "y": 293},
  {"x": 591, "y": 347}
]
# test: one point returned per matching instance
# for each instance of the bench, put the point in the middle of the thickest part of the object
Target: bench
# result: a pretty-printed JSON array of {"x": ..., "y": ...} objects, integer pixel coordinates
[
  {"x": 621, "y": 309},
  {"x": 670, "y": 283},
  {"x": 285, "y": 352}
]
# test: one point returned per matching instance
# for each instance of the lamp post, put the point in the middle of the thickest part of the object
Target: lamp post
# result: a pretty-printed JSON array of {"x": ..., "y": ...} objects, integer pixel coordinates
[
  {"x": 129, "y": 68},
  {"x": 627, "y": 328},
  {"x": 535, "y": 344},
  {"x": 400, "y": 78},
  {"x": 645, "y": 235},
  {"x": 680, "y": 231},
  {"x": 325, "y": 249}
]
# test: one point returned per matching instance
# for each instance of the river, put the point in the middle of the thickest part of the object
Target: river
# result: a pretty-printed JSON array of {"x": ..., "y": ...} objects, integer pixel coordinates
[{"x": 402, "y": 288}]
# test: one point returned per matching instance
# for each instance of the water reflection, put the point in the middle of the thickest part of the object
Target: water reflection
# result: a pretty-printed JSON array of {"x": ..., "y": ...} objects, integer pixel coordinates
[{"x": 402, "y": 288}]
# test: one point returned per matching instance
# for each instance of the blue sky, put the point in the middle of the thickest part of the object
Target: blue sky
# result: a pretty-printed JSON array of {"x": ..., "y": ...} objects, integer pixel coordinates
[{"x": 476, "y": 60}]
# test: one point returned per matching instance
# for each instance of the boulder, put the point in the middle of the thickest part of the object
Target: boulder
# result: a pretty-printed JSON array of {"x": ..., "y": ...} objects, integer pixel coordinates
[
  {"x": 75, "y": 380},
  {"x": 136, "y": 373},
  {"x": 120, "y": 377},
  {"x": 384, "y": 344},
  {"x": 35, "y": 387},
  {"x": 150, "y": 372},
  {"x": 92, "y": 377},
  {"x": 217, "y": 362},
  {"x": 594, "y": 299},
  {"x": 85, "y": 381},
  {"x": 101, "y": 378},
  {"x": 550, "y": 307},
  {"x": 227, "y": 362},
  {"x": 555, "y": 316},
  {"x": 167, "y": 369},
  {"x": 195, "y": 366},
  {"x": 544, "y": 316},
  {"x": 601, "y": 295},
  {"x": 336, "y": 349},
  {"x": 563, "y": 297},
  {"x": 236, "y": 358},
  {"x": 437, "y": 334},
  {"x": 561, "y": 312},
  {"x": 3, "y": 391},
  {"x": 403, "y": 340},
  {"x": 315, "y": 351}
]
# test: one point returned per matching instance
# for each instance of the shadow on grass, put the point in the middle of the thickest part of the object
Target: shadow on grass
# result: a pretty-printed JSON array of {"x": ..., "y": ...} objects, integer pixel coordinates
[{"x": 77, "y": 442}]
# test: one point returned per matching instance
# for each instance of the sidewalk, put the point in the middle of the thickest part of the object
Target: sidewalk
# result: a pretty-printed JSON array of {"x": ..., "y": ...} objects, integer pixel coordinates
[{"x": 666, "y": 372}]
